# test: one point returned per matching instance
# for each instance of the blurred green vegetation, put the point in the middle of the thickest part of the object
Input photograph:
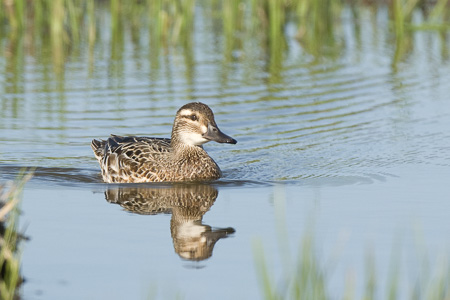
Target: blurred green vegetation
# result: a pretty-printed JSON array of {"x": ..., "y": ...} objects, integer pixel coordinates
[
  {"x": 58, "y": 27},
  {"x": 307, "y": 274},
  {"x": 10, "y": 279},
  {"x": 307, "y": 277}
]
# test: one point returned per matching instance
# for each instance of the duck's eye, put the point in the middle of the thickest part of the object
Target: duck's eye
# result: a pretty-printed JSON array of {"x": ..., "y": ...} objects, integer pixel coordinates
[{"x": 193, "y": 117}]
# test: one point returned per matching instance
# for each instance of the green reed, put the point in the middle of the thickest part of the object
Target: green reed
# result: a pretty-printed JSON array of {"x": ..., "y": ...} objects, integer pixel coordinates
[
  {"x": 60, "y": 27},
  {"x": 170, "y": 21},
  {"x": 304, "y": 278},
  {"x": 307, "y": 277},
  {"x": 435, "y": 16},
  {"x": 66, "y": 20},
  {"x": 9, "y": 239},
  {"x": 307, "y": 274}
]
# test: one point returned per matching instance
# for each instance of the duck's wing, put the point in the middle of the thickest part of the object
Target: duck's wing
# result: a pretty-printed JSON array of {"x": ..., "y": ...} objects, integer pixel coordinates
[
  {"x": 116, "y": 144},
  {"x": 147, "y": 145},
  {"x": 122, "y": 158}
]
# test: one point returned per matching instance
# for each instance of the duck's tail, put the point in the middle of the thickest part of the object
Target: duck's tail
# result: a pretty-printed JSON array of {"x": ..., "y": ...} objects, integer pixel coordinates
[{"x": 99, "y": 149}]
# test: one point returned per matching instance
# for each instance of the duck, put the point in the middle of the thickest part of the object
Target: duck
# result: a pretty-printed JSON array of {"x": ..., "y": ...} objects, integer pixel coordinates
[{"x": 133, "y": 159}]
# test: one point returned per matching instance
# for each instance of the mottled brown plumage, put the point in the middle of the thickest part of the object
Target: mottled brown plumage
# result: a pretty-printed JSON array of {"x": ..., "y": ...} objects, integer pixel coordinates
[{"x": 181, "y": 158}]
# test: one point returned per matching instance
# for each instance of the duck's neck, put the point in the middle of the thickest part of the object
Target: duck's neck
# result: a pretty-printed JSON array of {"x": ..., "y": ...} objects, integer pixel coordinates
[
  {"x": 193, "y": 162},
  {"x": 181, "y": 149},
  {"x": 178, "y": 145}
]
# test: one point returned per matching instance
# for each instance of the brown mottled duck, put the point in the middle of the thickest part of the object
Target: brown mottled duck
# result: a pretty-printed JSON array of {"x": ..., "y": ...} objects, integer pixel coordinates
[{"x": 180, "y": 158}]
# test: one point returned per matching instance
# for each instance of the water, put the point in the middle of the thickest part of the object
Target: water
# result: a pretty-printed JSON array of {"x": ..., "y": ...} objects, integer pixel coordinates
[{"x": 355, "y": 144}]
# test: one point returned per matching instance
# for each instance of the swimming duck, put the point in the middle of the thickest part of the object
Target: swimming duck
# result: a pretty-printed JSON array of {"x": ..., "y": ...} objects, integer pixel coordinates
[{"x": 180, "y": 158}]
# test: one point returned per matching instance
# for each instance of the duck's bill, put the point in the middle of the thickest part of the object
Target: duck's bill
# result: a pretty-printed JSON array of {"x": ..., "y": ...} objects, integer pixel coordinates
[{"x": 214, "y": 134}]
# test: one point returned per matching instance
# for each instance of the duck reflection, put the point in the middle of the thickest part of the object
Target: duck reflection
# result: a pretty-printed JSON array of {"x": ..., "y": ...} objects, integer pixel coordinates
[{"x": 192, "y": 239}]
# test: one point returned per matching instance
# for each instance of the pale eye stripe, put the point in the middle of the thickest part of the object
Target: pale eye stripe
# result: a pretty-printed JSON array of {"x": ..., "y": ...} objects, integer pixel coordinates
[{"x": 186, "y": 112}]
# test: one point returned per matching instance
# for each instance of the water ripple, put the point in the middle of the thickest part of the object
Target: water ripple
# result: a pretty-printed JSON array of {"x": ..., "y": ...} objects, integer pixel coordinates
[{"x": 353, "y": 119}]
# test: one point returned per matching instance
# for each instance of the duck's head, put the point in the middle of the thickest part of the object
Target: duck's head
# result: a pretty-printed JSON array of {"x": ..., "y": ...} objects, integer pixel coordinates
[{"x": 195, "y": 125}]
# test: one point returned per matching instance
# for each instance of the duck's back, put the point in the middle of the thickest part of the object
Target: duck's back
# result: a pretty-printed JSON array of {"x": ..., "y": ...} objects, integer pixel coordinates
[{"x": 132, "y": 159}]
